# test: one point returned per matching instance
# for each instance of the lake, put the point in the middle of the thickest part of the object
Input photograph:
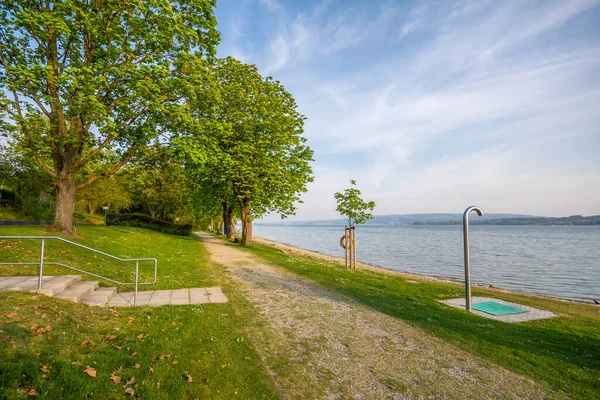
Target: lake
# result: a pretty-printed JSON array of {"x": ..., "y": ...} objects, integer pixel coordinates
[{"x": 557, "y": 261}]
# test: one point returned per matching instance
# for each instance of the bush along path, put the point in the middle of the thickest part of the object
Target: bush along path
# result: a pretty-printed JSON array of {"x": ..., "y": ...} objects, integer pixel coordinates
[{"x": 324, "y": 345}]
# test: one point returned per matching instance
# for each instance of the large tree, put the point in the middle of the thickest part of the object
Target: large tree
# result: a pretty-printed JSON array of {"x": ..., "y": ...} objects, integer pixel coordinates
[
  {"x": 250, "y": 131},
  {"x": 80, "y": 76}
]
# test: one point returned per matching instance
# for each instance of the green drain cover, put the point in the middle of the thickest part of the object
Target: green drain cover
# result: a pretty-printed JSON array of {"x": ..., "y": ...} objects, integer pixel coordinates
[{"x": 495, "y": 308}]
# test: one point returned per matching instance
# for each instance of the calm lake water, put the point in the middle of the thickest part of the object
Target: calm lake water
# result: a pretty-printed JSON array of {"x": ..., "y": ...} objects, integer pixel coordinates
[{"x": 558, "y": 261}]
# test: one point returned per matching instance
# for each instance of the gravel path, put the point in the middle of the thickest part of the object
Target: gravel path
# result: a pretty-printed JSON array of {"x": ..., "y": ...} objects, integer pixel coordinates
[{"x": 320, "y": 345}]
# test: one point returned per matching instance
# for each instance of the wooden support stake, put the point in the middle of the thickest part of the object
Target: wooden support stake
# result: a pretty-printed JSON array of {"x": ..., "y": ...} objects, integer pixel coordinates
[
  {"x": 346, "y": 245},
  {"x": 354, "y": 247}
]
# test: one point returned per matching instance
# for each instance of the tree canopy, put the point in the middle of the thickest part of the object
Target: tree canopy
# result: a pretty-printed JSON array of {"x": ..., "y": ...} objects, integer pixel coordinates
[
  {"x": 250, "y": 137},
  {"x": 78, "y": 78},
  {"x": 352, "y": 207}
]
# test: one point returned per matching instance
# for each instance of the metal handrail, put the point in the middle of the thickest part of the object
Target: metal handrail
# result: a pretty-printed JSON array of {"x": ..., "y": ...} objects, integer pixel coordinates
[{"x": 41, "y": 262}]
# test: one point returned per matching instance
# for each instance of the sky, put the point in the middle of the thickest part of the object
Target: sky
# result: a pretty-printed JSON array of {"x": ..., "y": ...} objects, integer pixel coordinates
[{"x": 433, "y": 106}]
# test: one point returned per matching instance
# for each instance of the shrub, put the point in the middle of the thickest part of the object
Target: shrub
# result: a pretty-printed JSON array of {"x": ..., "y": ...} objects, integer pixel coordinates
[{"x": 144, "y": 221}]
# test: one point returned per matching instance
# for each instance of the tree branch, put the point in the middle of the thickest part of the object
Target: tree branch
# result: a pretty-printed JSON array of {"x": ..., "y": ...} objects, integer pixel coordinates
[
  {"x": 95, "y": 152},
  {"x": 126, "y": 157}
]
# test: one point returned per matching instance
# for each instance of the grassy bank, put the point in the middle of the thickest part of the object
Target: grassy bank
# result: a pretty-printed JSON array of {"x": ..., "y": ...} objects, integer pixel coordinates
[
  {"x": 7, "y": 214},
  {"x": 564, "y": 352},
  {"x": 169, "y": 352},
  {"x": 177, "y": 256}
]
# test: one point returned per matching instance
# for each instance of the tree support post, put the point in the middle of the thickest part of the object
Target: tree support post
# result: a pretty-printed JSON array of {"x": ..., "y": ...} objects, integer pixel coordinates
[
  {"x": 346, "y": 245},
  {"x": 348, "y": 242},
  {"x": 353, "y": 247}
]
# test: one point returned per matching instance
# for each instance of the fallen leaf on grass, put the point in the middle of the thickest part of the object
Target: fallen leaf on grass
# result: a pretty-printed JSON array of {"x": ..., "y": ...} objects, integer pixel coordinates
[
  {"x": 129, "y": 391},
  {"x": 137, "y": 366},
  {"x": 85, "y": 343},
  {"x": 32, "y": 393},
  {"x": 189, "y": 377},
  {"x": 151, "y": 369},
  {"x": 76, "y": 363},
  {"x": 111, "y": 337},
  {"x": 11, "y": 315},
  {"x": 40, "y": 331},
  {"x": 142, "y": 336},
  {"x": 131, "y": 319},
  {"x": 115, "y": 378},
  {"x": 131, "y": 381},
  {"x": 175, "y": 362},
  {"x": 90, "y": 371},
  {"x": 163, "y": 356},
  {"x": 45, "y": 368},
  {"x": 118, "y": 347}
]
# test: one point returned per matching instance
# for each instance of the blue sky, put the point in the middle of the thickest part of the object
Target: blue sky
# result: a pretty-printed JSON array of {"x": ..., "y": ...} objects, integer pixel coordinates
[{"x": 436, "y": 105}]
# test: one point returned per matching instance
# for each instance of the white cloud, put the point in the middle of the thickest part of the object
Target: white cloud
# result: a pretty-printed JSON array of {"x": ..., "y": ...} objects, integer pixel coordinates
[
  {"x": 272, "y": 5},
  {"x": 481, "y": 87},
  {"x": 320, "y": 34}
]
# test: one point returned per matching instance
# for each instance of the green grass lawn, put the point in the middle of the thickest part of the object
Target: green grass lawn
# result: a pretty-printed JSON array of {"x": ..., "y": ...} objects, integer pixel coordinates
[
  {"x": 564, "y": 352},
  {"x": 177, "y": 269},
  {"x": 172, "y": 352}
]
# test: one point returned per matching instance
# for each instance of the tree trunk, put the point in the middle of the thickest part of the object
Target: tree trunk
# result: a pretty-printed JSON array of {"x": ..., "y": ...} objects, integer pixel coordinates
[
  {"x": 65, "y": 203},
  {"x": 246, "y": 224},
  {"x": 228, "y": 219}
]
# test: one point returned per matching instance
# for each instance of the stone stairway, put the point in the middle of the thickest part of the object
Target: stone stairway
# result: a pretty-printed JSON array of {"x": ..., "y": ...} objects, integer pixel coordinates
[{"x": 72, "y": 288}]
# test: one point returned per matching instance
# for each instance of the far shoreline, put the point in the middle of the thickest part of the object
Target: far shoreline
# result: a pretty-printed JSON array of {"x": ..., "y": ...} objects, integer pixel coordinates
[{"x": 410, "y": 275}]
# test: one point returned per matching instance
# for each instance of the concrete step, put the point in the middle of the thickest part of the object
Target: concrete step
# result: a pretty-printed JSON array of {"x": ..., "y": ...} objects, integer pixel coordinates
[
  {"x": 99, "y": 297},
  {"x": 12, "y": 281},
  {"x": 78, "y": 291},
  {"x": 59, "y": 284},
  {"x": 51, "y": 284}
]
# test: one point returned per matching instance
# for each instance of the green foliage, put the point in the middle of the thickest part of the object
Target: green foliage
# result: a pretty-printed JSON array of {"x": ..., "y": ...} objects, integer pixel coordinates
[
  {"x": 110, "y": 191},
  {"x": 144, "y": 221},
  {"x": 159, "y": 184},
  {"x": 79, "y": 78},
  {"x": 249, "y": 136},
  {"x": 22, "y": 181},
  {"x": 351, "y": 206}
]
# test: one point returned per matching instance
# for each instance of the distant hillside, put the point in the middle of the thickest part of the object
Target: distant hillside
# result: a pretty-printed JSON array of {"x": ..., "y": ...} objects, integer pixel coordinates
[
  {"x": 572, "y": 220},
  {"x": 409, "y": 219},
  {"x": 456, "y": 219},
  {"x": 435, "y": 219}
]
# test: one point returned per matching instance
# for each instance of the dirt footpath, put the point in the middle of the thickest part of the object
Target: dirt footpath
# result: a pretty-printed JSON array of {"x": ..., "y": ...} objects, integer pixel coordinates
[{"x": 321, "y": 345}]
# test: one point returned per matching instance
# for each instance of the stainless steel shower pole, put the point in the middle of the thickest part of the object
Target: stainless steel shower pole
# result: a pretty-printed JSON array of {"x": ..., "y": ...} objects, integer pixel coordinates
[{"x": 467, "y": 253}]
